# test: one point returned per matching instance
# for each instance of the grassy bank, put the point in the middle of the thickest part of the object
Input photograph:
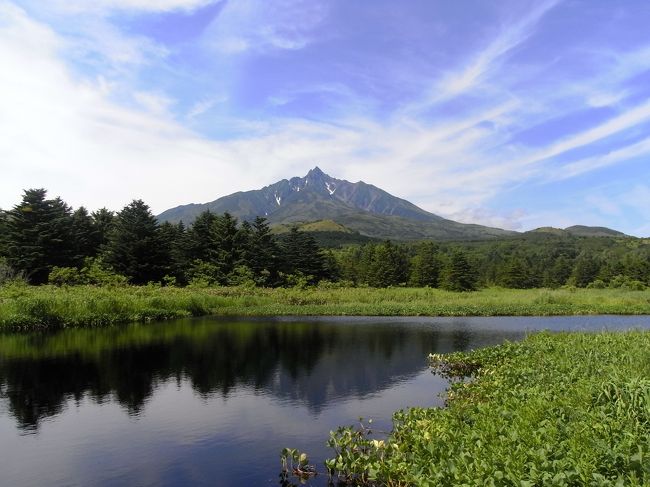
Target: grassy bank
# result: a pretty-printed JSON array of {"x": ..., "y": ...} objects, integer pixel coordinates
[
  {"x": 567, "y": 409},
  {"x": 23, "y": 307}
]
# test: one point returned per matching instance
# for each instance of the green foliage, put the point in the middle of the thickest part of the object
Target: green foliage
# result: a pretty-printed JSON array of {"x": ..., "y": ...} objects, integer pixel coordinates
[
  {"x": 175, "y": 242},
  {"x": 7, "y": 274},
  {"x": 85, "y": 237},
  {"x": 93, "y": 272},
  {"x": 39, "y": 235},
  {"x": 294, "y": 462},
  {"x": 72, "y": 304},
  {"x": 426, "y": 266},
  {"x": 65, "y": 276},
  {"x": 242, "y": 276},
  {"x": 260, "y": 252},
  {"x": 625, "y": 282},
  {"x": 103, "y": 221},
  {"x": 458, "y": 274},
  {"x": 358, "y": 458},
  {"x": 302, "y": 256},
  {"x": 556, "y": 409},
  {"x": 4, "y": 229},
  {"x": 135, "y": 248},
  {"x": 96, "y": 272},
  {"x": 389, "y": 266},
  {"x": 204, "y": 274},
  {"x": 46, "y": 307},
  {"x": 597, "y": 284},
  {"x": 585, "y": 270}
]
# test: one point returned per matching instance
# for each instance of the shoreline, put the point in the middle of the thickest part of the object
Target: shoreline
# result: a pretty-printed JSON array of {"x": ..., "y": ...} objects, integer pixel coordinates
[{"x": 24, "y": 308}]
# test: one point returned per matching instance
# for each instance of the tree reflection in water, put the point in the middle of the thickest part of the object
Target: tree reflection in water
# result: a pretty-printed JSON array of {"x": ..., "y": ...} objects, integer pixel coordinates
[{"x": 307, "y": 362}]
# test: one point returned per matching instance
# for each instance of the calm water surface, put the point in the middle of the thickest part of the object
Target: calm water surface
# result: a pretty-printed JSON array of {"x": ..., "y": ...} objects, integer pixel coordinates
[{"x": 213, "y": 401}]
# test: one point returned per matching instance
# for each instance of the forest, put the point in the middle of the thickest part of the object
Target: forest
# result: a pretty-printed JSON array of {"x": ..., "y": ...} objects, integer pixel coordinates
[{"x": 43, "y": 240}]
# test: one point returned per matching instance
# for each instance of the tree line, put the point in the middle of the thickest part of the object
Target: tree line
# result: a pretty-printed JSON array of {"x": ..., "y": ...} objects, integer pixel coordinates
[{"x": 44, "y": 240}]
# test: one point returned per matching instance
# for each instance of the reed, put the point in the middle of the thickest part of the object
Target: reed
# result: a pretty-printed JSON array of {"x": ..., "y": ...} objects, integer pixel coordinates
[{"x": 34, "y": 307}]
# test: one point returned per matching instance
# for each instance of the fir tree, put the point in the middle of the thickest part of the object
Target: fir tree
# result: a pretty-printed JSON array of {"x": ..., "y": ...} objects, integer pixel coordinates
[
  {"x": 39, "y": 235},
  {"x": 516, "y": 273},
  {"x": 135, "y": 249},
  {"x": 260, "y": 251},
  {"x": 389, "y": 266},
  {"x": 85, "y": 240},
  {"x": 175, "y": 244},
  {"x": 426, "y": 266},
  {"x": 202, "y": 238},
  {"x": 103, "y": 221},
  {"x": 226, "y": 238},
  {"x": 585, "y": 270},
  {"x": 458, "y": 274},
  {"x": 302, "y": 255},
  {"x": 4, "y": 228}
]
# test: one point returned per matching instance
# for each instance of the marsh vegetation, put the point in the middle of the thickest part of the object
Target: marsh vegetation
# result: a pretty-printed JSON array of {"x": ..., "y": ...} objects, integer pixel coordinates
[{"x": 39, "y": 307}]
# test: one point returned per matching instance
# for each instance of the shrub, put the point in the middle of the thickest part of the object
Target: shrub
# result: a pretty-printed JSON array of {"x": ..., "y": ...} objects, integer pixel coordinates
[{"x": 66, "y": 276}]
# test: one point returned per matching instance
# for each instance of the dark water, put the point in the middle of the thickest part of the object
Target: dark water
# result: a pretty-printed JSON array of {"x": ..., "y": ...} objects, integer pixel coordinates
[{"x": 212, "y": 402}]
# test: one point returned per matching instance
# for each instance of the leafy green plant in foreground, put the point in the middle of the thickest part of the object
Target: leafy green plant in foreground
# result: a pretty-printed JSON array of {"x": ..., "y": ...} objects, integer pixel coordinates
[{"x": 555, "y": 409}]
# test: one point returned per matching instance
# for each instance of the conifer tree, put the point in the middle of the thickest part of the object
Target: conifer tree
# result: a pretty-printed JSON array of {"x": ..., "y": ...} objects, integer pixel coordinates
[
  {"x": 39, "y": 235},
  {"x": 389, "y": 266},
  {"x": 227, "y": 239},
  {"x": 585, "y": 270},
  {"x": 174, "y": 241},
  {"x": 426, "y": 266},
  {"x": 202, "y": 238},
  {"x": 3, "y": 233},
  {"x": 302, "y": 255},
  {"x": 103, "y": 221},
  {"x": 458, "y": 274},
  {"x": 84, "y": 238},
  {"x": 135, "y": 249},
  {"x": 516, "y": 273},
  {"x": 558, "y": 274},
  {"x": 260, "y": 251}
]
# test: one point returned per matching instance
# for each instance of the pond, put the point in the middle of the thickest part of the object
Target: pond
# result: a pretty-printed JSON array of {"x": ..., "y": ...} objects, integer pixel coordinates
[{"x": 213, "y": 401}]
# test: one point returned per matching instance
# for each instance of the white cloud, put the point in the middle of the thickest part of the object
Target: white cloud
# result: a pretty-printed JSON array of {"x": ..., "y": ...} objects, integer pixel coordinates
[
  {"x": 470, "y": 76},
  {"x": 625, "y": 120},
  {"x": 260, "y": 25},
  {"x": 78, "y": 6},
  {"x": 582, "y": 166},
  {"x": 155, "y": 103},
  {"x": 69, "y": 135}
]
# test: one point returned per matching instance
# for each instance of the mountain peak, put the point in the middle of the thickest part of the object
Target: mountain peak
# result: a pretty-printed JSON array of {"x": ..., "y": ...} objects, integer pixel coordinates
[
  {"x": 316, "y": 171},
  {"x": 318, "y": 196},
  {"x": 316, "y": 175}
]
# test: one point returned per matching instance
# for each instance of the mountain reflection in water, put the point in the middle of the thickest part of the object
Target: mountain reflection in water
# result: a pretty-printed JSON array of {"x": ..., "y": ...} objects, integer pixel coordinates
[
  {"x": 213, "y": 401},
  {"x": 305, "y": 362}
]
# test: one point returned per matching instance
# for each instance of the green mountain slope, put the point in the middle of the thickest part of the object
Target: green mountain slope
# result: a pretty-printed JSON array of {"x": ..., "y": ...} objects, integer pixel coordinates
[{"x": 359, "y": 207}]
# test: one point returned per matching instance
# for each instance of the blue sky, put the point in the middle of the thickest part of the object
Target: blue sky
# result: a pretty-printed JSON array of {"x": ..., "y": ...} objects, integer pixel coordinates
[{"x": 507, "y": 113}]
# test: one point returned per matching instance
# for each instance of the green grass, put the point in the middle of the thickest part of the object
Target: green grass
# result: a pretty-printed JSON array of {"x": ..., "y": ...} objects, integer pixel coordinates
[
  {"x": 556, "y": 409},
  {"x": 23, "y": 307}
]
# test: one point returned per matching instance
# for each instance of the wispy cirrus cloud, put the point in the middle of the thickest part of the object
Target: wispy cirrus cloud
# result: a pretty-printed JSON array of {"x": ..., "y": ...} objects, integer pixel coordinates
[
  {"x": 257, "y": 25},
  {"x": 82, "y": 6},
  {"x": 526, "y": 103}
]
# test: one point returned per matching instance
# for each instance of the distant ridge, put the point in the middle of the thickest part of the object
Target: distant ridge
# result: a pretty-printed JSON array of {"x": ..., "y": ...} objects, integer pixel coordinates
[
  {"x": 318, "y": 202},
  {"x": 580, "y": 231},
  {"x": 359, "y": 207}
]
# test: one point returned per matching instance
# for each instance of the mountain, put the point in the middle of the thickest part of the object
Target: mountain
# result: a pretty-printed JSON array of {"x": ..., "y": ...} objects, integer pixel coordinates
[
  {"x": 580, "y": 231},
  {"x": 358, "y": 207}
]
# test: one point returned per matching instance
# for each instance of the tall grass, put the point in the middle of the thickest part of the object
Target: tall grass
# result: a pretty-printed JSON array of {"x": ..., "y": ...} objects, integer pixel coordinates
[{"x": 24, "y": 307}]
